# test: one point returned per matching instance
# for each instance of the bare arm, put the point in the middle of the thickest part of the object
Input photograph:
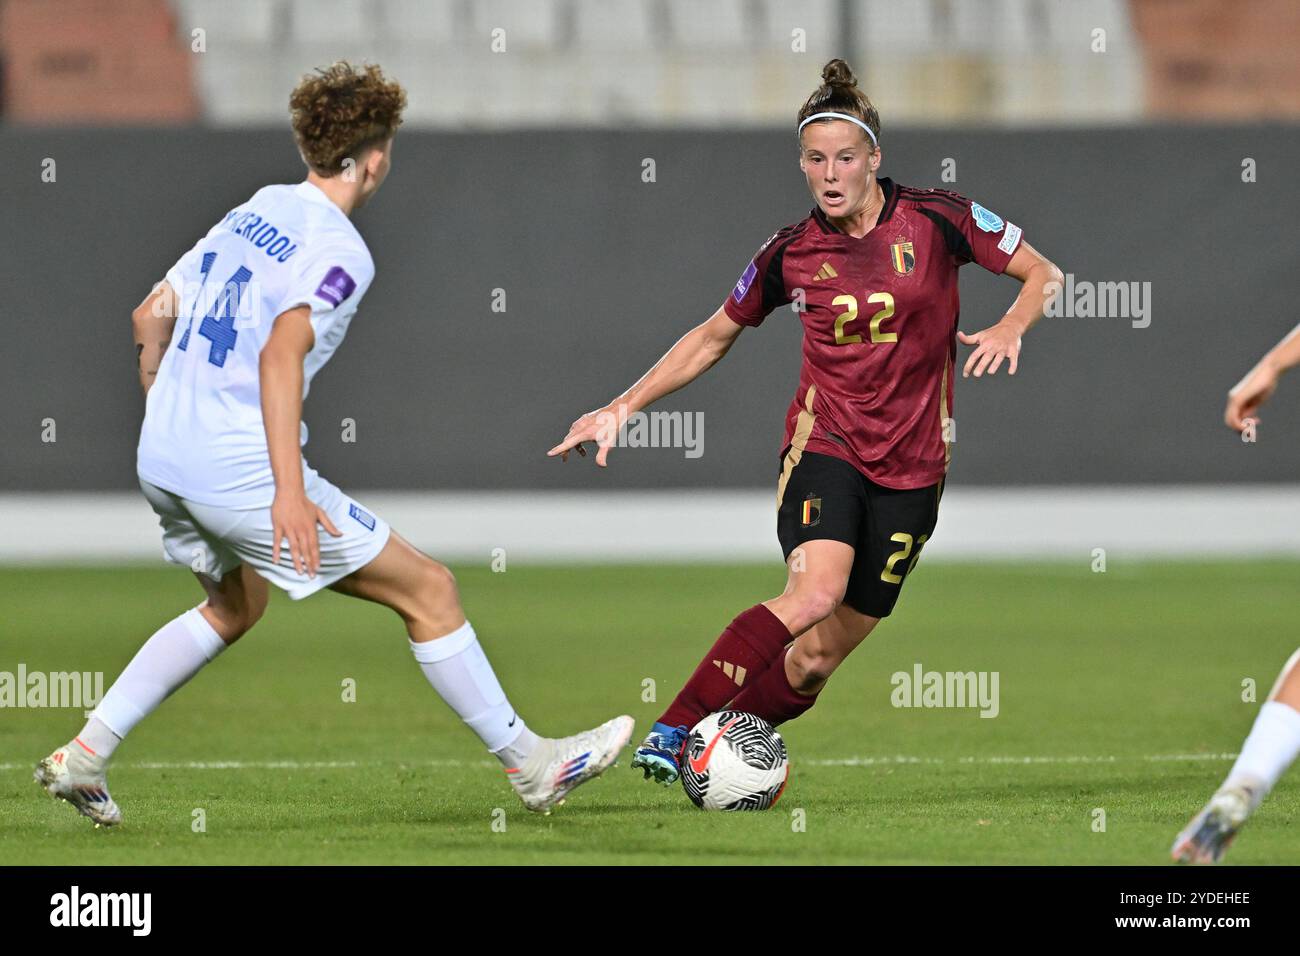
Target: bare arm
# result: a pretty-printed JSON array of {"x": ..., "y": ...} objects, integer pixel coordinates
[
  {"x": 153, "y": 321},
  {"x": 1260, "y": 383},
  {"x": 690, "y": 357},
  {"x": 280, "y": 370},
  {"x": 1041, "y": 283},
  {"x": 693, "y": 354}
]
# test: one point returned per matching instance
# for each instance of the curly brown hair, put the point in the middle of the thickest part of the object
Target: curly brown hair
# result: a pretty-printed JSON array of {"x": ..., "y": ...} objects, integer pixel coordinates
[
  {"x": 839, "y": 93},
  {"x": 341, "y": 111}
]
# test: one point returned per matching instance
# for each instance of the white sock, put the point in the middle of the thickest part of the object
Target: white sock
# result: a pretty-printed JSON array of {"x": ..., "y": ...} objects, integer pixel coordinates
[
  {"x": 516, "y": 754},
  {"x": 174, "y": 654},
  {"x": 459, "y": 671},
  {"x": 1272, "y": 746},
  {"x": 98, "y": 739}
]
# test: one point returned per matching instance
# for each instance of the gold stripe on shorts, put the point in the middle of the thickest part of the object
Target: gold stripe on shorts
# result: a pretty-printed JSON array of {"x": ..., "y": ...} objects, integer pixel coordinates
[{"x": 802, "y": 429}]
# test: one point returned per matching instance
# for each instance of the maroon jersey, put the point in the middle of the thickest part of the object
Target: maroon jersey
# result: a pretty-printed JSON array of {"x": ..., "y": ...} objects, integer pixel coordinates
[{"x": 880, "y": 327}]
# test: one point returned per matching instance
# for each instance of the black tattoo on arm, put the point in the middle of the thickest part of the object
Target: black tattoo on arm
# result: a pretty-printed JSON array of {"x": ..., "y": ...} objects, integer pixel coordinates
[{"x": 139, "y": 357}]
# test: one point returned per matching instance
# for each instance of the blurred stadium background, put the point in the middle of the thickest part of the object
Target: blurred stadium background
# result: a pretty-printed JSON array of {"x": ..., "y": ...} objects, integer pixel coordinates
[{"x": 1149, "y": 141}]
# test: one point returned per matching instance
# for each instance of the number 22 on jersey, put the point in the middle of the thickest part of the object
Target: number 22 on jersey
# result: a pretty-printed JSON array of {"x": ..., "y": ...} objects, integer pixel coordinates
[{"x": 850, "y": 314}]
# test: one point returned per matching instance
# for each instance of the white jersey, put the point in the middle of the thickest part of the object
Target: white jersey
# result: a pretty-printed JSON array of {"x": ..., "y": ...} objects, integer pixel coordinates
[{"x": 203, "y": 437}]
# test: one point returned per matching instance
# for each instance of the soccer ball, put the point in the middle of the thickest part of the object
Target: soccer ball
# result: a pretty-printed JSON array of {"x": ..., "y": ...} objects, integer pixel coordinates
[{"x": 734, "y": 761}]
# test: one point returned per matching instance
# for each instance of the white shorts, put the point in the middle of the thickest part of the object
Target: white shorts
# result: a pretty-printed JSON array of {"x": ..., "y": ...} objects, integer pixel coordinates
[{"x": 213, "y": 540}]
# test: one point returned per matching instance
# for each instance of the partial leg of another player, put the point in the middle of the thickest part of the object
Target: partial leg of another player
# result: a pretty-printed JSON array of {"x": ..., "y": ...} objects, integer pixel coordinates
[
  {"x": 77, "y": 771},
  {"x": 818, "y": 572},
  {"x": 423, "y": 592},
  {"x": 1271, "y": 747}
]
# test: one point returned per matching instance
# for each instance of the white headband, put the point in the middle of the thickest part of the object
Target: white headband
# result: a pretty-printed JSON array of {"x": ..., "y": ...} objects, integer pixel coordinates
[{"x": 842, "y": 116}]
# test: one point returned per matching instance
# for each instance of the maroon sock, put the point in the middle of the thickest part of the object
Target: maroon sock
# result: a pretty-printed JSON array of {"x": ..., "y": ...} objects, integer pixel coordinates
[
  {"x": 770, "y": 696},
  {"x": 744, "y": 650}
]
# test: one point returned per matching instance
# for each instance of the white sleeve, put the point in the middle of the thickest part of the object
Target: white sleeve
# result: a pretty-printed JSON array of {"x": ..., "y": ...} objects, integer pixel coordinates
[
  {"x": 330, "y": 280},
  {"x": 186, "y": 265}
]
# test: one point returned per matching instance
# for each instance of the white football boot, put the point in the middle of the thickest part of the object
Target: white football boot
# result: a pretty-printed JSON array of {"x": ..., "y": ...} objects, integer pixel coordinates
[
  {"x": 1211, "y": 832},
  {"x": 561, "y": 763},
  {"x": 73, "y": 774}
]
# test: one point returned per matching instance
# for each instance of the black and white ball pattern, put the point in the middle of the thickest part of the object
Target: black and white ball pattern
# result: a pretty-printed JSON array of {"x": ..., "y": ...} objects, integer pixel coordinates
[{"x": 734, "y": 761}]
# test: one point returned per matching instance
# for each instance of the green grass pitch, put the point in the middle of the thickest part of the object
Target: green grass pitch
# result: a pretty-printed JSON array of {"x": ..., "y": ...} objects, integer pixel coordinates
[{"x": 1120, "y": 693}]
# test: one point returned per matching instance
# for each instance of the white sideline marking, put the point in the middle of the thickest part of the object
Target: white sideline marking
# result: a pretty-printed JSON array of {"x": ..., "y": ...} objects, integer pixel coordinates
[
  {"x": 1063, "y": 523},
  {"x": 830, "y": 762}
]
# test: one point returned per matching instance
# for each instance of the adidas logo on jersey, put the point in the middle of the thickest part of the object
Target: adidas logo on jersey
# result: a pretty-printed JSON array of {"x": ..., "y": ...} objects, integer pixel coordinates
[{"x": 827, "y": 271}]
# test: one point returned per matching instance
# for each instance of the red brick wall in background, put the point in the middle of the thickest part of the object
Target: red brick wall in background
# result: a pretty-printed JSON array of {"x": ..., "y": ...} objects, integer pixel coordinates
[
  {"x": 95, "y": 62},
  {"x": 1220, "y": 59},
  {"x": 121, "y": 61}
]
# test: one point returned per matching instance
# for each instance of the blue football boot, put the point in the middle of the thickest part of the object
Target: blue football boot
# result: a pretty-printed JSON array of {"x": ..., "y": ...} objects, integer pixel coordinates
[{"x": 660, "y": 754}]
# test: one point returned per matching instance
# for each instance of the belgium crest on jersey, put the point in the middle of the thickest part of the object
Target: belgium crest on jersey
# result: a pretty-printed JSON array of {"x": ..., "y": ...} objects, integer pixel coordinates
[{"x": 902, "y": 256}]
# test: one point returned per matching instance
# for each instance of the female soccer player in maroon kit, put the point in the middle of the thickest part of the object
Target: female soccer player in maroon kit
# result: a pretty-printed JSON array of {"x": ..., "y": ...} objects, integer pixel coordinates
[{"x": 872, "y": 271}]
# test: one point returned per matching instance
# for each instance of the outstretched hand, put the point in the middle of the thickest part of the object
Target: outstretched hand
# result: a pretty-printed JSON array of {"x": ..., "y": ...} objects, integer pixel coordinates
[
  {"x": 1248, "y": 395},
  {"x": 600, "y": 426},
  {"x": 992, "y": 345}
]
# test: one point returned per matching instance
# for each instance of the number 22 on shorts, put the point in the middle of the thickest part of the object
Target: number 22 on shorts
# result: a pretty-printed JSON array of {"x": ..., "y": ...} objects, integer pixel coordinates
[{"x": 889, "y": 576}]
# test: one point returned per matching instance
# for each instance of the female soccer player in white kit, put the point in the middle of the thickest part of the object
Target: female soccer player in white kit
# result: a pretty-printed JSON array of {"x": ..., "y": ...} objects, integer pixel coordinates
[
  {"x": 1274, "y": 741},
  {"x": 228, "y": 345}
]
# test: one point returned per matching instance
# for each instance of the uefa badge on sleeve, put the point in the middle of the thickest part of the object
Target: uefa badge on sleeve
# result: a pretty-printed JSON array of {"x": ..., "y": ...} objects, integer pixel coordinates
[
  {"x": 745, "y": 281},
  {"x": 986, "y": 219}
]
